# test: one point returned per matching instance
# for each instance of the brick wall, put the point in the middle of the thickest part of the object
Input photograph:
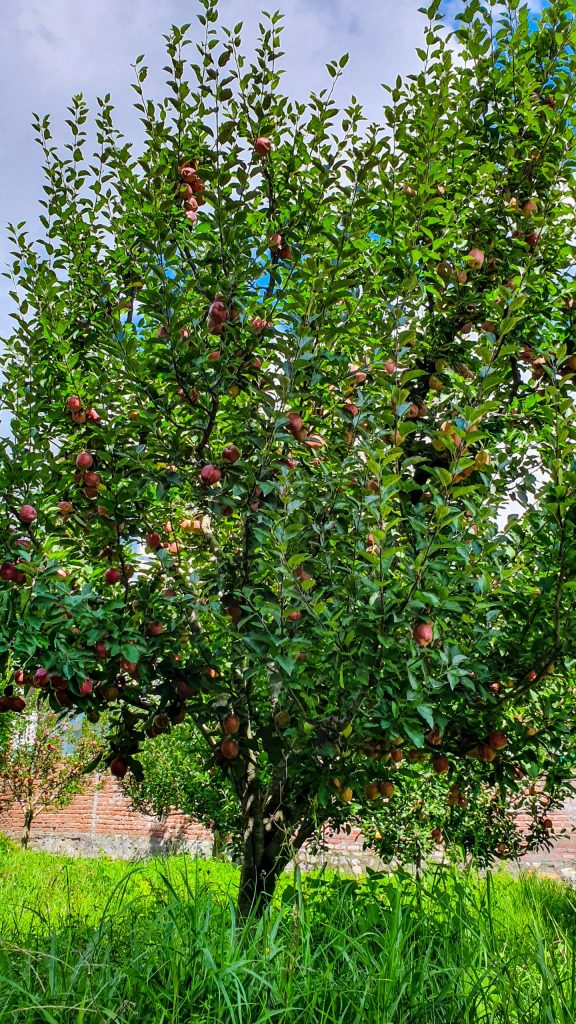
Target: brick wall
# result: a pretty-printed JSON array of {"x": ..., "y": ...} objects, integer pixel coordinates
[
  {"x": 562, "y": 858},
  {"x": 101, "y": 821}
]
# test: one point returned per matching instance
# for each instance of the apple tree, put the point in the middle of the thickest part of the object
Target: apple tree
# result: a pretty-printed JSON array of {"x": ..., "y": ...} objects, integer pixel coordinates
[
  {"x": 178, "y": 773},
  {"x": 42, "y": 767},
  {"x": 292, "y": 425}
]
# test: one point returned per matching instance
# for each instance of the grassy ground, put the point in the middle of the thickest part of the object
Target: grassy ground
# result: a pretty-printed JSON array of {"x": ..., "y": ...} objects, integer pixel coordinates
[{"x": 105, "y": 942}]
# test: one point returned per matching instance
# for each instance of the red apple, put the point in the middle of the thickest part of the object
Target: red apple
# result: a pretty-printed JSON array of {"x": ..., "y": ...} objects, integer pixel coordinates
[
  {"x": 390, "y": 366},
  {"x": 92, "y": 415},
  {"x": 155, "y": 628},
  {"x": 84, "y": 460},
  {"x": 258, "y": 324},
  {"x": 118, "y": 767},
  {"x": 86, "y": 687},
  {"x": 184, "y": 690},
  {"x": 295, "y": 424},
  {"x": 301, "y": 573},
  {"x": 231, "y": 453},
  {"x": 484, "y": 752},
  {"x": 91, "y": 480},
  {"x": 497, "y": 740},
  {"x": 231, "y": 724},
  {"x": 8, "y": 571},
  {"x": 230, "y": 749},
  {"x": 65, "y": 507},
  {"x": 186, "y": 193},
  {"x": 16, "y": 704},
  {"x": 27, "y": 514},
  {"x": 475, "y": 259},
  {"x": 294, "y": 616},
  {"x": 210, "y": 475},
  {"x": 262, "y": 146},
  {"x": 440, "y": 764},
  {"x": 73, "y": 403},
  {"x": 41, "y": 677},
  {"x": 217, "y": 310},
  {"x": 423, "y": 633},
  {"x": 433, "y": 737},
  {"x": 153, "y": 541},
  {"x": 112, "y": 575},
  {"x": 101, "y": 650}
]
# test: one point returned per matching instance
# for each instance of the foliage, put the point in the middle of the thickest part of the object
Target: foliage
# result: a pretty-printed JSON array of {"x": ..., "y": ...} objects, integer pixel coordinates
[
  {"x": 6, "y": 728},
  {"x": 165, "y": 946},
  {"x": 276, "y": 382},
  {"x": 43, "y": 765},
  {"x": 178, "y": 774},
  {"x": 487, "y": 825}
]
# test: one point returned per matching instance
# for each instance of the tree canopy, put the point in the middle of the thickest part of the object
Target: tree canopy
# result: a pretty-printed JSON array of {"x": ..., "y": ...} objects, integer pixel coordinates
[{"x": 292, "y": 425}]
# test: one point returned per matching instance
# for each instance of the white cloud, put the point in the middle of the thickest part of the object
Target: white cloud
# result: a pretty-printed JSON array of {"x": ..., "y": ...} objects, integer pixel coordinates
[{"x": 51, "y": 49}]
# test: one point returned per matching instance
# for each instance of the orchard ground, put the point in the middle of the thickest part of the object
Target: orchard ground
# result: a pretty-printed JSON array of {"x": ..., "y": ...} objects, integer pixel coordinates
[{"x": 102, "y": 940}]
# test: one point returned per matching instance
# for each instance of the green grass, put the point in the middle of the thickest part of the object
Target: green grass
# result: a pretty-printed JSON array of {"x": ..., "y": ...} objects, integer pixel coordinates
[{"x": 111, "y": 943}]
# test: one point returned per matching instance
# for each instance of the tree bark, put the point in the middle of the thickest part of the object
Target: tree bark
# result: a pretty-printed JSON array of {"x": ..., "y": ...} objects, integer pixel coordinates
[
  {"x": 258, "y": 881},
  {"x": 28, "y": 818},
  {"x": 259, "y": 874}
]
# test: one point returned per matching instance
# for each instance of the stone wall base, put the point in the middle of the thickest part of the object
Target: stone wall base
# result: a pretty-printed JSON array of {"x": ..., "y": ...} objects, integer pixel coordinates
[
  {"x": 116, "y": 847},
  {"x": 346, "y": 862}
]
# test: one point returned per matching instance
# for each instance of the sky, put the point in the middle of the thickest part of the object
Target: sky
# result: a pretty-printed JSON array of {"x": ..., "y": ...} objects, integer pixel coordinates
[{"x": 51, "y": 49}]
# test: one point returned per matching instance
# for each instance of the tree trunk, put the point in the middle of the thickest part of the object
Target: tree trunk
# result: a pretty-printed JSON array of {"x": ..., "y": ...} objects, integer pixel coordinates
[
  {"x": 258, "y": 881},
  {"x": 28, "y": 818},
  {"x": 266, "y": 854}
]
